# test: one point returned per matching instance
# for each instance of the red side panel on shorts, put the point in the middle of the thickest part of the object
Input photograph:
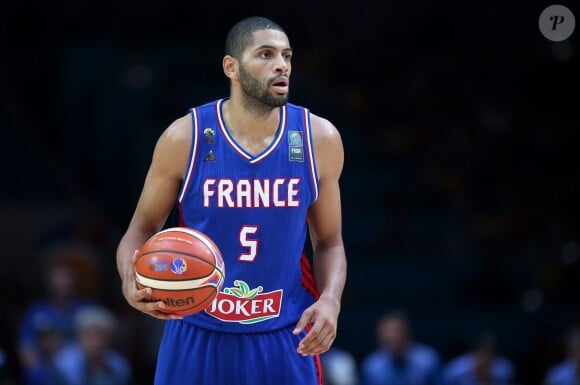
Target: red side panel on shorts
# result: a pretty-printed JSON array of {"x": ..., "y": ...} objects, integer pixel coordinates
[{"x": 317, "y": 363}]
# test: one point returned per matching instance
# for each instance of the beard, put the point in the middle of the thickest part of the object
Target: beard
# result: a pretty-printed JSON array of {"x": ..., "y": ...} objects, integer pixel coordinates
[{"x": 256, "y": 91}]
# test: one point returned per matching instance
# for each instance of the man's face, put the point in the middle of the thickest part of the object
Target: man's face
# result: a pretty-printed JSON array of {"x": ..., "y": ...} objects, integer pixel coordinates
[
  {"x": 94, "y": 340},
  {"x": 264, "y": 70},
  {"x": 483, "y": 363},
  {"x": 393, "y": 335},
  {"x": 61, "y": 282}
]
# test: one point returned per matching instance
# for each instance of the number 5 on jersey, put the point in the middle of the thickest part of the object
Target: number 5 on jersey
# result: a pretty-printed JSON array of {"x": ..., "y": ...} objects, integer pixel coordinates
[{"x": 248, "y": 240}]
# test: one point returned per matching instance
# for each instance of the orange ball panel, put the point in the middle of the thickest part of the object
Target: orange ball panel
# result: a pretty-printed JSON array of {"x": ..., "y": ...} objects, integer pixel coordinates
[
  {"x": 183, "y": 267},
  {"x": 184, "y": 302}
]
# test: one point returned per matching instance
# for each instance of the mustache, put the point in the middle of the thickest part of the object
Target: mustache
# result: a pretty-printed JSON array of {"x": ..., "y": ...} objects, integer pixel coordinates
[{"x": 271, "y": 81}]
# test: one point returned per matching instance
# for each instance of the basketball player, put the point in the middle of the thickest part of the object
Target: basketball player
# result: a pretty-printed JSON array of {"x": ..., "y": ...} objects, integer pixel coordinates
[{"x": 253, "y": 172}]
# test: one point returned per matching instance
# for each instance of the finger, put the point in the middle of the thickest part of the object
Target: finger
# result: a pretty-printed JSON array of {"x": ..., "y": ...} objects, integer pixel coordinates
[
  {"x": 322, "y": 350},
  {"x": 312, "y": 348},
  {"x": 303, "y": 321},
  {"x": 321, "y": 339},
  {"x": 165, "y": 316},
  {"x": 143, "y": 300},
  {"x": 143, "y": 294},
  {"x": 313, "y": 332},
  {"x": 329, "y": 339},
  {"x": 157, "y": 309},
  {"x": 322, "y": 342}
]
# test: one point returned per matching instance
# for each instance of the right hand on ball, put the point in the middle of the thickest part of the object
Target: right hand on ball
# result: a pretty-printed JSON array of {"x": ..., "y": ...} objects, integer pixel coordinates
[{"x": 141, "y": 299}]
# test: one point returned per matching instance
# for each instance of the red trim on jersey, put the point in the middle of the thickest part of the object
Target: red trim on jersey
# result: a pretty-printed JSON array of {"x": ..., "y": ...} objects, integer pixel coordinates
[
  {"x": 193, "y": 155},
  {"x": 310, "y": 153},
  {"x": 181, "y": 219},
  {"x": 319, "y": 372},
  {"x": 308, "y": 281},
  {"x": 222, "y": 124},
  {"x": 306, "y": 269}
]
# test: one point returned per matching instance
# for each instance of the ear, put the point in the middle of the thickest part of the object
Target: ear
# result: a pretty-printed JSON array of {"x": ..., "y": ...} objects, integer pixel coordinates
[{"x": 230, "y": 65}]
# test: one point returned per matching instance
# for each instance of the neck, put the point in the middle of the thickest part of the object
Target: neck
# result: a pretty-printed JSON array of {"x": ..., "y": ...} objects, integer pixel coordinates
[
  {"x": 250, "y": 118},
  {"x": 254, "y": 107}
]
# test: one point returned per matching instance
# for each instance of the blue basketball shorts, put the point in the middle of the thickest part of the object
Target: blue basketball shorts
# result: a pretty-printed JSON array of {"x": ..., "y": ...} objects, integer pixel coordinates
[{"x": 189, "y": 355}]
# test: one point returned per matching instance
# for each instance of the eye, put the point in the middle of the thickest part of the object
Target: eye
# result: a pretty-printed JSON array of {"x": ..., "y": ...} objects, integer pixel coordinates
[
  {"x": 265, "y": 54},
  {"x": 288, "y": 56}
]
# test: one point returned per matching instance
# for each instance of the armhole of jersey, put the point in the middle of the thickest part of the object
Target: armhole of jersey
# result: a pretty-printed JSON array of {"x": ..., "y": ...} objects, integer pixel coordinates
[
  {"x": 192, "y": 155},
  {"x": 310, "y": 152}
]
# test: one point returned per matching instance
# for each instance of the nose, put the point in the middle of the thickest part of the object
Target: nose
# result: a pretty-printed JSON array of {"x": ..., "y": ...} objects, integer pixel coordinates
[{"x": 282, "y": 64}]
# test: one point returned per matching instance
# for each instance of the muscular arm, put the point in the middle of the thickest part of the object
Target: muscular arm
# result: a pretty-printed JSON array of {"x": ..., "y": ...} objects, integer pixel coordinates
[
  {"x": 325, "y": 225},
  {"x": 157, "y": 198}
]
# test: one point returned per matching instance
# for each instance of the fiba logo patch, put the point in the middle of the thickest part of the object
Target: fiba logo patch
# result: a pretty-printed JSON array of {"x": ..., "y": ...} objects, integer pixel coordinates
[
  {"x": 295, "y": 138},
  {"x": 178, "y": 266}
]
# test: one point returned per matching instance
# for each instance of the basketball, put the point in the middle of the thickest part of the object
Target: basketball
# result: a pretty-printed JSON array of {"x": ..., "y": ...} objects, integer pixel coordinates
[{"x": 183, "y": 267}]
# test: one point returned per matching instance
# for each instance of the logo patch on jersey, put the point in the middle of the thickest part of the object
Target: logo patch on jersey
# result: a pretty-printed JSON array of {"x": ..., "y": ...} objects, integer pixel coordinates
[
  {"x": 244, "y": 305},
  {"x": 210, "y": 157},
  {"x": 209, "y": 135},
  {"x": 295, "y": 138},
  {"x": 296, "y": 154},
  {"x": 296, "y": 146}
]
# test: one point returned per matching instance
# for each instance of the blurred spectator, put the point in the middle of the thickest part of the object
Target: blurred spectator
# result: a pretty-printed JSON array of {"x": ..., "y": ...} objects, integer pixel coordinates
[
  {"x": 92, "y": 359},
  {"x": 49, "y": 341},
  {"x": 399, "y": 360},
  {"x": 483, "y": 365},
  {"x": 339, "y": 367},
  {"x": 47, "y": 322},
  {"x": 567, "y": 372}
]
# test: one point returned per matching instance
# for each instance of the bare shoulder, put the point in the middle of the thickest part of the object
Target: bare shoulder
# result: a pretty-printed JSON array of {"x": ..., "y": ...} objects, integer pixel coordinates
[
  {"x": 180, "y": 130},
  {"x": 323, "y": 131},
  {"x": 173, "y": 146},
  {"x": 328, "y": 147}
]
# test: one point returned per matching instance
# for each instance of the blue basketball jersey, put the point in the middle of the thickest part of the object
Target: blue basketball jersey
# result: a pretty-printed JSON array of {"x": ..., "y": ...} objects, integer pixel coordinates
[{"x": 255, "y": 209}]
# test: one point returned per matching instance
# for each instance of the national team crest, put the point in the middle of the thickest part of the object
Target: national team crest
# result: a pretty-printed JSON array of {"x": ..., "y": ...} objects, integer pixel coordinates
[{"x": 209, "y": 135}]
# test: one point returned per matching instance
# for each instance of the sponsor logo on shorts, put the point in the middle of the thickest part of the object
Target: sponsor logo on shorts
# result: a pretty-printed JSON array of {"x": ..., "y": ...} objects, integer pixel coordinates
[{"x": 244, "y": 305}]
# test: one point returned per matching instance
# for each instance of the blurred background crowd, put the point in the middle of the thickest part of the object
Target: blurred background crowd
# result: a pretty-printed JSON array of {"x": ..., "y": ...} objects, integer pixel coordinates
[{"x": 460, "y": 189}]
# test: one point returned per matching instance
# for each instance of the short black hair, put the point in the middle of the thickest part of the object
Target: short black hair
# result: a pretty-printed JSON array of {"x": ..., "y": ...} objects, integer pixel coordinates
[
  {"x": 395, "y": 315},
  {"x": 240, "y": 35}
]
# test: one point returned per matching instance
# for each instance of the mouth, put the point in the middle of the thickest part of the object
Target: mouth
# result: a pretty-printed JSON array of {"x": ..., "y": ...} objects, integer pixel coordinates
[{"x": 280, "y": 84}]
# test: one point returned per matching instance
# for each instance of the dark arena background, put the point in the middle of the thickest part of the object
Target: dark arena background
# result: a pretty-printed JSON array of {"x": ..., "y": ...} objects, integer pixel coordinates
[{"x": 460, "y": 188}]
